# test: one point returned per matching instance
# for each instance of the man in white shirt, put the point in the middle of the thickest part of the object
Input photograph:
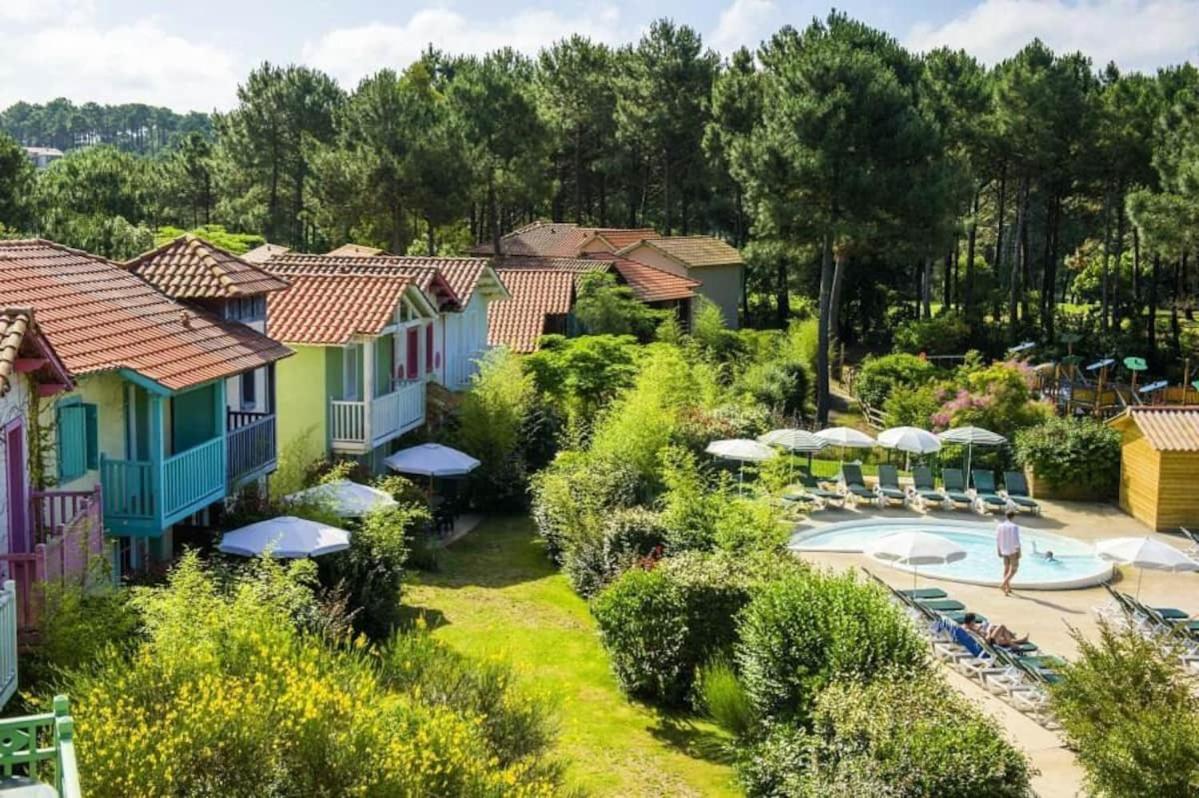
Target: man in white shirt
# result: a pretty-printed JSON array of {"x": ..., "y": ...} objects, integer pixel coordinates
[{"x": 1007, "y": 544}]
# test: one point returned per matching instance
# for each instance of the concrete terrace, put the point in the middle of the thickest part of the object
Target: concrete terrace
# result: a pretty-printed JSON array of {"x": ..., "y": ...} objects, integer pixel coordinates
[{"x": 1047, "y": 616}]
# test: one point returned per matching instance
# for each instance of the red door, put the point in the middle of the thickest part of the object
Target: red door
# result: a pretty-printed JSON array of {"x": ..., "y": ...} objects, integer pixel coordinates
[{"x": 18, "y": 488}]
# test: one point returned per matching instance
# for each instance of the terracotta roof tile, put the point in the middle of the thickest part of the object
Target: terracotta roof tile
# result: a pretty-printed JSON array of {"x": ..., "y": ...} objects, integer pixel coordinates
[
  {"x": 692, "y": 251},
  {"x": 191, "y": 268},
  {"x": 261, "y": 254},
  {"x": 650, "y": 284},
  {"x": 13, "y": 325},
  {"x": 1168, "y": 429},
  {"x": 518, "y": 322},
  {"x": 562, "y": 239},
  {"x": 100, "y": 317},
  {"x": 450, "y": 280},
  {"x": 618, "y": 238},
  {"x": 355, "y": 251},
  {"x": 330, "y": 309},
  {"x": 574, "y": 265}
]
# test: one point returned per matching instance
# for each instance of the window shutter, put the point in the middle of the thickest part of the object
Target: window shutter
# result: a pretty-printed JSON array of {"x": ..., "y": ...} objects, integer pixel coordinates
[
  {"x": 413, "y": 356},
  {"x": 428, "y": 348},
  {"x": 72, "y": 442},
  {"x": 92, "y": 436}
]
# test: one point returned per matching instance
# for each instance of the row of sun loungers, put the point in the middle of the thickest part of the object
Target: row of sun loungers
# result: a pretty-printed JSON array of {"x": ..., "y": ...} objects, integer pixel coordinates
[
  {"x": 923, "y": 493},
  {"x": 1171, "y": 626},
  {"x": 1019, "y": 673}
]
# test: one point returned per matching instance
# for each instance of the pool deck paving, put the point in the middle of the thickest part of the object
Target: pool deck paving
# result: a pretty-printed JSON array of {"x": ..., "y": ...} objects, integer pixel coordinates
[{"x": 1047, "y": 616}]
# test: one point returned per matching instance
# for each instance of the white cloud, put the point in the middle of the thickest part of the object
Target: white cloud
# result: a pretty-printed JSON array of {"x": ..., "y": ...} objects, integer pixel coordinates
[
  {"x": 745, "y": 22},
  {"x": 138, "y": 62},
  {"x": 1136, "y": 34},
  {"x": 25, "y": 11},
  {"x": 350, "y": 54}
]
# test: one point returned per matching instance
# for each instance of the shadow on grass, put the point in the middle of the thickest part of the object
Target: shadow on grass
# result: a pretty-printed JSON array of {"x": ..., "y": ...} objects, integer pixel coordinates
[
  {"x": 683, "y": 734},
  {"x": 500, "y": 552},
  {"x": 433, "y": 618}
]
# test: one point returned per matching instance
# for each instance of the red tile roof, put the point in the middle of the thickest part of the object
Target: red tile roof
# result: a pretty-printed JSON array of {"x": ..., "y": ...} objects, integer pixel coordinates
[
  {"x": 261, "y": 254},
  {"x": 450, "y": 280},
  {"x": 191, "y": 268},
  {"x": 330, "y": 309},
  {"x": 650, "y": 284},
  {"x": 100, "y": 317},
  {"x": 20, "y": 337},
  {"x": 355, "y": 251},
  {"x": 574, "y": 265},
  {"x": 562, "y": 239},
  {"x": 519, "y": 322},
  {"x": 618, "y": 238},
  {"x": 692, "y": 251}
]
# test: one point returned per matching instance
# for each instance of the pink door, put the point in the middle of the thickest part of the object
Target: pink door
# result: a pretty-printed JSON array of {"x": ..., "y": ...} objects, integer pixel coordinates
[{"x": 18, "y": 488}]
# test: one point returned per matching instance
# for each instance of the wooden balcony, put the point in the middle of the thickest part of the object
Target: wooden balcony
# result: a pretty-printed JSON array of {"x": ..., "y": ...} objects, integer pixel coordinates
[
  {"x": 358, "y": 427},
  {"x": 31, "y": 740},
  {"x": 251, "y": 446},
  {"x": 145, "y": 497}
]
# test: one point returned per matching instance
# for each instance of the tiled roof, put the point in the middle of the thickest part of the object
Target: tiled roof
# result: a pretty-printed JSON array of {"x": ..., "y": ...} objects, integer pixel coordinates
[
  {"x": 1168, "y": 429},
  {"x": 574, "y": 265},
  {"x": 262, "y": 254},
  {"x": 355, "y": 251},
  {"x": 619, "y": 237},
  {"x": 99, "y": 317},
  {"x": 448, "y": 279},
  {"x": 330, "y": 309},
  {"x": 13, "y": 324},
  {"x": 191, "y": 268},
  {"x": 562, "y": 239},
  {"x": 693, "y": 251},
  {"x": 519, "y": 321},
  {"x": 650, "y": 284}
]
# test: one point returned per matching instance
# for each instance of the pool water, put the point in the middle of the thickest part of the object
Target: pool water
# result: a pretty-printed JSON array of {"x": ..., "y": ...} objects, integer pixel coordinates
[{"x": 1075, "y": 564}]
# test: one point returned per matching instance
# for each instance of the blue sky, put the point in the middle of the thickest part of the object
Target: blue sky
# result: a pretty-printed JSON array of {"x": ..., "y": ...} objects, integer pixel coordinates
[{"x": 192, "y": 55}]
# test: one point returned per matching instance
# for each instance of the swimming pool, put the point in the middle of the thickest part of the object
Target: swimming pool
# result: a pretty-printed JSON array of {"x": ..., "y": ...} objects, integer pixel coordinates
[{"x": 1076, "y": 565}]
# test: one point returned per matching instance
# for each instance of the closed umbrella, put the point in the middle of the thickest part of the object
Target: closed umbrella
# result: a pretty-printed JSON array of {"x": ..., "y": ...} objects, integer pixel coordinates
[
  {"x": 1144, "y": 553},
  {"x": 909, "y": 440},
  {"x": 971, "y": 437},
  {"x": 743, "y": 451},
  {"x": 345, "y": 498},
  {"x": 286, "y": 537},
  {"x": 794, "y": 440},
  {"x": 915, "y": 549},
  {"x": 846, "y": 437}
]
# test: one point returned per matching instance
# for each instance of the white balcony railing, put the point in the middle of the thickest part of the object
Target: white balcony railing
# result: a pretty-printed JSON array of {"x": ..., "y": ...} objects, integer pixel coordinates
[{"x": 389, "y": 416}]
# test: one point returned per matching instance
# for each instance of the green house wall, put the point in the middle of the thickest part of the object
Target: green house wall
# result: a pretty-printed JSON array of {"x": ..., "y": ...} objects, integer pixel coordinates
[{"x": 302, "y": 391}]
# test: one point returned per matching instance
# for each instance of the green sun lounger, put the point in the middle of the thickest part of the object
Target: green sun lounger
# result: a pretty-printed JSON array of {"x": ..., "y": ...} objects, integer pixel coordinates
[
  {"x": 942, "y": 605},
  {"x": 926, "y": 486},
  {"x": 855, "y": 483},
  {"x": 812, "y": 485},
  {"x": 924, "y": 593},
  {"x": 955, "y": 486},
  {"x": 888, "y": 485},
  {"x": 1016, "y": 490},
  {"x": 985, "y": 491}
]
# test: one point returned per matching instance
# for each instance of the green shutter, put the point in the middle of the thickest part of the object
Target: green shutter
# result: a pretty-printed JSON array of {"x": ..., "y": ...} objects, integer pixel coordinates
[
  {"x": 92, "y": 437},
  {"x": 72, "y": 442}
]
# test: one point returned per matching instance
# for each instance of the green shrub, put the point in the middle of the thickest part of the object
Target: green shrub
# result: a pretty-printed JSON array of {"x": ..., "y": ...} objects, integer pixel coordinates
[
  {"x": 806, "y": 629},
  {"x": 947, "y": 334},
  {"x": 575, "y": 495},
  {"x": 916, "y": 735},
  {"x": 998, "y": 397},
  {"x": 593, "y": 560},
  {"x": 1082, "y": 453},
  {"x": 1130, "y": 711},
  {"x": 643, "y": 624},
  {"x": 720, "y": 696},
  {"x": 879, "y": 376},
  {"x": 604, "y": 307},
  {"x": 74, "y": 628},
  {"x": 909, "y": 406},
  {"x": 772, "y": 766},
  {"x": 583, "y": 374},
  {"x": 779, "y": 385}
]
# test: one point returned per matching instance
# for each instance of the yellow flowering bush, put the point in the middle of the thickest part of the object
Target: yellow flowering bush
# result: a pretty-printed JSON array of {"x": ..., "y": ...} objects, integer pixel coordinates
[{"x": 227, "y": 697}]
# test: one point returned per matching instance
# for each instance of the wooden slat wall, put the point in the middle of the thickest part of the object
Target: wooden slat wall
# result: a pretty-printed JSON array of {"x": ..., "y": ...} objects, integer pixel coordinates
[
  {"x": 1178, "y": 494},
  {"x": 1140, "y": 477}
]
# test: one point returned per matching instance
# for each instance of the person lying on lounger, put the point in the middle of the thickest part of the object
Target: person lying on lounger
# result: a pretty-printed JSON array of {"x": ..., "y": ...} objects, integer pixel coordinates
[{"x": 996, "y": 635}]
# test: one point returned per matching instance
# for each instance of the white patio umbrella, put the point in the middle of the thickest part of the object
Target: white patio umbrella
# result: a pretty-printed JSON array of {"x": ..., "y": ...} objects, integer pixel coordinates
[
  {"x": 431, "y": 460},
  {"x": 971, "y": 437},
  {"x": 909, "y": 440},
  {"x": 846, "y": 437},
  {"x": 347, "y": 499},
  {"x": 743, "y": 451},
  {"x": 915, "y": 548},
  {"x": 1144, "y": 553},
  {"x": 794, "y": 440},
  {"x": 287, "y": 537}
]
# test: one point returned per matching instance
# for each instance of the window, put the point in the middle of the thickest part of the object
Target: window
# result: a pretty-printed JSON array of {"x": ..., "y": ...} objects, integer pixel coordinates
[
  {"x": 249, "y": 390},
  {"x": 245, "y": 309},
  {"x": 428, "y": 348},
  {"x": 78, "y": 440},
  {"x": 351, "y": 362}
]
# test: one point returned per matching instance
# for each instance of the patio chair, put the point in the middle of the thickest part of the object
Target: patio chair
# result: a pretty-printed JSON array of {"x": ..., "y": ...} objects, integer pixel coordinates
[
  {"x": 888, "y": 486},
  {"x": 812, "y": 486},
  {"x": 1193, "y": 551},
  {"x": 1016, "y": 491},
  {"x": 955, "y": 487},
  {"x": 986, "y": 497},
  {"x": 925, "y": 490},
  {"x": 855, "y": 484}
]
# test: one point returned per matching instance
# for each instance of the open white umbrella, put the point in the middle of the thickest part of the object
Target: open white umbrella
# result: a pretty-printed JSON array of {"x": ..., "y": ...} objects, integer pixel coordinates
[
  {"x": 915, "y": 549},
  {"x": 846, "y": 437},
  {"x": 909, "y": 440},
  {"x": 743, "y": 451},
  {"x": 347, "y": 499},
  {"x": 971, "y": 437},
  {"x": 287, "y": 538},
  {"x": 1144, "y": 553},
  {"x": 794, "y": 440},
  {"x": 431, "y": 460}
]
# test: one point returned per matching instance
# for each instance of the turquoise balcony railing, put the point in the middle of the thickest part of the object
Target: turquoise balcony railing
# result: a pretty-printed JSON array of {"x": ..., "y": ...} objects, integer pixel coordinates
[
  {"x": 33, "y": 744},
  {"x": 145, "y": 497},
  {"x": 251, "y": 439}
]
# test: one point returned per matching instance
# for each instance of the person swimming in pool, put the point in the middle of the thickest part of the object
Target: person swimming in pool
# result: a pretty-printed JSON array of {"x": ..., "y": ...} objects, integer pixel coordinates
[{"x": 1047, "y": 556}]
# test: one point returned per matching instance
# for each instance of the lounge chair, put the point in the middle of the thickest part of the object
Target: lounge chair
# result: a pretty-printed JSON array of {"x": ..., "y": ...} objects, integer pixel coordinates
[
  {"x": 986, "y": 496},
  {"x": 855, "y": 484},
  {"x": 925, "y": 490},
  {"x": 1016, "y": 491},
  {"x": 1191, "y": 536},
  {"x": 955, "y": 487},
  {"x": 888, "y": 486},
  {"x": 812, "y": 485}
]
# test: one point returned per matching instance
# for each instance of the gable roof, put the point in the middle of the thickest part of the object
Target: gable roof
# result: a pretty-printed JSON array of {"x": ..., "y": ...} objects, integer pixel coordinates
[
  {"x": 431, "y": 275},
  {"x": 191, "y": 268},
  {"x": 100, "y": 317},
  {"x": 261, "y": 254},
  {"x": 617, "y": 238},
  {"x": 330, "y": 309},
  {"x": 651, "y": 284},
  {"x": 518, "y": 322},
  {"x": 355, "y": 251},
  {"x": 573, "y": 265},
  {"x": 563, "y": 239},
  {"x": 691, "y": 251},
  {"x": 19, "y": 336},
  {"x": 1167, "y": 428}
]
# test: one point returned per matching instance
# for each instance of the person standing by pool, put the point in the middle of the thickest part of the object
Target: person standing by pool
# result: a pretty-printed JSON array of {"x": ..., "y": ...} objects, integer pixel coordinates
[{"x": 1007, "y": 545}]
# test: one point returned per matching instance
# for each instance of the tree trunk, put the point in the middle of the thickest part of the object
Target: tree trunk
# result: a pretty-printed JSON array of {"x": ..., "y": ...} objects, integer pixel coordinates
[
  {"x": 493, "y": 214},
  {"x": 971, "y": 240},
  {"x": 822, "y": 336},
  {"x": 1117, "y": 311},
  {"x": 783, "y": 294},
  {"x": 999, "y": 220},
  {"x": 927, "y": 295},
  {"x": 430, "y": 240},
  {"x": 1104, "y": 301},
  {"x": 840, "y": 259},
  {"x": 1051, "y": 265},
  {"x": 1184, "y": 287},
  {"x": 578, "y": 174},
  {"x": 1151, "y": 325},
  {"x": 666, "y": 220},
  {"x": 1015, "y": 269},
  {"x": 1175, "y": 329}
]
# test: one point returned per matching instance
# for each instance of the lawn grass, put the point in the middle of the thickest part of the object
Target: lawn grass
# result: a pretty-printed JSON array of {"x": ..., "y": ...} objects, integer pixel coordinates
[{"x": 497, "y": 594}]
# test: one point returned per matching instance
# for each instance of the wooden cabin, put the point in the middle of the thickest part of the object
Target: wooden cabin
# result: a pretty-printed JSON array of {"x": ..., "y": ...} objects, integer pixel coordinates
[{"x": 1159, "y": 465}]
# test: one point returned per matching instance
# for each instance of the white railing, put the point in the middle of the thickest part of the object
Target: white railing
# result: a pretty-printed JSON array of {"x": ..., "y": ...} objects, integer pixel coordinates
[
  {"x": 462, "y": 368},
  {"x": 347, "y": 421},
  {"x": 8, "y": 641},
  {"x": 390, "y": 415}
]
